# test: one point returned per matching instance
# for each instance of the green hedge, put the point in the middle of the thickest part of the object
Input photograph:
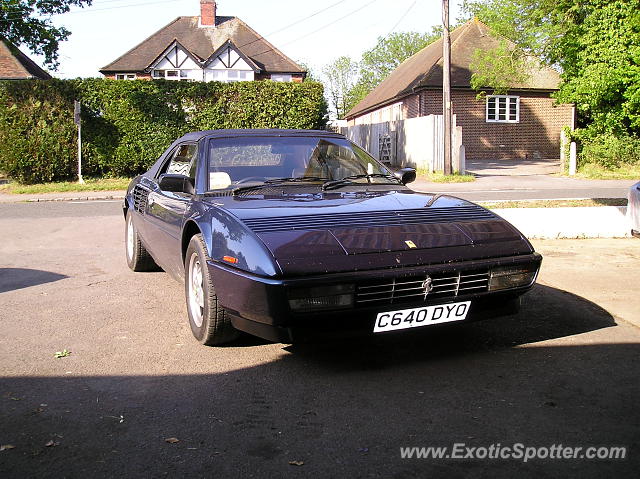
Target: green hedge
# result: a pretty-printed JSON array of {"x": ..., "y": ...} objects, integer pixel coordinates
[
  {"x": 126, "y": 125},
  {"x": 607, "y": 150}
]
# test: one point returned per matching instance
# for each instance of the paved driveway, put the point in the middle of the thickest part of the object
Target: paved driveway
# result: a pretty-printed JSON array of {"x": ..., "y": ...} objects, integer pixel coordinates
[
  {"x": 564, "y": 371},
  {"x": 513, "y": 167}
]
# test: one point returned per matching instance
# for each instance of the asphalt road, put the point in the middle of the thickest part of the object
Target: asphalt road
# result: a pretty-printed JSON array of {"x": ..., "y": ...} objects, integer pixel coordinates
[{"x": 564, "y": 371}]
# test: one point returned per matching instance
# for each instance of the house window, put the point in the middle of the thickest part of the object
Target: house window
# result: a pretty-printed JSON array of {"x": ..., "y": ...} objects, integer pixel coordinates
[
  {"x": 172, "y": 74},
  {"x": 125, "y": 76},
  {"x": 280, "y": 77},
  {"x": 231, "y": 75},
  {"x": 503, "y": 109}
]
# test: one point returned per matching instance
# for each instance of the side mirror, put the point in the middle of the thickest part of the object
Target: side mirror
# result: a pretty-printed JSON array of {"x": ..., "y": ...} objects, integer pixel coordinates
[
  {"x": 177, "y": 183},
  {"x": 405, "y": 175}
]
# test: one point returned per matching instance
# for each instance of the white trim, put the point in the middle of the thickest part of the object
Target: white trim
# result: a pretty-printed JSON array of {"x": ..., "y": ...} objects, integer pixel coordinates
[
  {"x": 228, "y": 76},
  {"x": 502, "y": 108},
  {"x": 281, "y": 77},
  {"x": 126, "y": 76}
]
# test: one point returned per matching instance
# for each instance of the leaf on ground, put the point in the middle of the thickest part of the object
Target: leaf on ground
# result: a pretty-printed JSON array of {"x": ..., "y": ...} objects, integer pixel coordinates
[
  {"x": 62, "y": 354},
  {"x": 296, "y": 463},
  {"x": 51, "y": 443},
  {"x": 6, "y": 447},
  {"x": 172, "y": 440}
]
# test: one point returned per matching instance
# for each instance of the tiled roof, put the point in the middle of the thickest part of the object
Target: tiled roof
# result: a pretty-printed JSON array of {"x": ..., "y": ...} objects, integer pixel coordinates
[
  {"x": 15, "y": 65},
  {"x": 424, "y": 69},
  {"x": 202, "y": 42}
]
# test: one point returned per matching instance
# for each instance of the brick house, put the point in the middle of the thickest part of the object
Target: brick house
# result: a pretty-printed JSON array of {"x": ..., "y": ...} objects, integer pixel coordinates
[
  {"x": 15, "y": 65},
  {"x": 208, "y": 47},
  {"x": 524, "y": 124}
]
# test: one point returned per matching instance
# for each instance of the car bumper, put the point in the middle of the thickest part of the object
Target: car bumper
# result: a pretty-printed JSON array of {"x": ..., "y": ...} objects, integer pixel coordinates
[{"x": 260, "y": 305}]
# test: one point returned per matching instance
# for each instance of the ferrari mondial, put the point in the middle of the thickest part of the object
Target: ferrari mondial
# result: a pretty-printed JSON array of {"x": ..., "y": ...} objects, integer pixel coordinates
[{"x": 287, "y": 233}]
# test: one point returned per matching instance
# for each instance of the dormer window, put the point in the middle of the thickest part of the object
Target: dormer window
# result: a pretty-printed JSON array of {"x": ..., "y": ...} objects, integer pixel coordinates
[
  {"x": 175, "y": 63},
  {"x": 227, "y": 64}
]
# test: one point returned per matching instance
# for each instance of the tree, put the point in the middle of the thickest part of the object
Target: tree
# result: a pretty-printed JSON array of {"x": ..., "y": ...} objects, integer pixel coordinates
[
  {"x": 595, "y": 44},
  {"x": 498, "y": 69},
  {"x": 340, "y": 75},
  {"x": 378, "y": 62},
  {"x": 524, "y": 22},
  {"x": 311, "y": 74},
  {"x": 28, "y": 22}
]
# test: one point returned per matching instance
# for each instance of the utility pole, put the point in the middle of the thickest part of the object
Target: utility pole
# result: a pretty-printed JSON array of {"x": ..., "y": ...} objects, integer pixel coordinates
[
  {"x": 76, "y": 119},
  {"x": 446, "y": 86}
]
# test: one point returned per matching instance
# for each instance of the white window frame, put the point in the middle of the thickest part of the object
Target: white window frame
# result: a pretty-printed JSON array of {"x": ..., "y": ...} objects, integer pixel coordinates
[
  {"x": 126, "y": 76},
  {"x": 507, "y": 116},
  {"x": 282, "y": 77},
  {"x": 231, "y": 75}
]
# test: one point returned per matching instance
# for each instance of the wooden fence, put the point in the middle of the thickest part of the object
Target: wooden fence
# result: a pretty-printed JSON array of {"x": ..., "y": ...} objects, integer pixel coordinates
[{"x": 416, "y": 142}]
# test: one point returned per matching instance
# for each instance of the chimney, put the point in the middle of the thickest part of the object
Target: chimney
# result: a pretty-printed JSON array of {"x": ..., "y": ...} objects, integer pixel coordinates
[{"x": 207, "y": 13}]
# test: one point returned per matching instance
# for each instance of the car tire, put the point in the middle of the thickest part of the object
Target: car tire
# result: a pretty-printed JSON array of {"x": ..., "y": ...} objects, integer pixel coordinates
[
  {"x": 138, "y": 258},
  {"x": 210, "y": 323}
]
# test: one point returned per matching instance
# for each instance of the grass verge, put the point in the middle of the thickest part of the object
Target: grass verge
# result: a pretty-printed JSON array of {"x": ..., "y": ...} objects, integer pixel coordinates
[
  {"x": 592, "y": 171},
  {"x": 101, "y": 184},
  {"x": 554, "y": 203},
  {"x": 425, "y": 175}
]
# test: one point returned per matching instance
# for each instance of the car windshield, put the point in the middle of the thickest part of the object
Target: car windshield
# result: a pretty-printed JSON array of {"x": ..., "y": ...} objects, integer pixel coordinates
[{"x": 244, "y": 161}]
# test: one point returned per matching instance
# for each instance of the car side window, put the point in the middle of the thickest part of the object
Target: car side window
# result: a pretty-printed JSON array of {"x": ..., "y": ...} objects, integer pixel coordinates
[{"x": 183, "y": 161}]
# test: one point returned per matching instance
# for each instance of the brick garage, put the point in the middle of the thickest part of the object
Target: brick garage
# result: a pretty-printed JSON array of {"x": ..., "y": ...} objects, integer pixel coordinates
[
  {"x": 535, "y": 136},
  {"x": 415, "y": 89}
]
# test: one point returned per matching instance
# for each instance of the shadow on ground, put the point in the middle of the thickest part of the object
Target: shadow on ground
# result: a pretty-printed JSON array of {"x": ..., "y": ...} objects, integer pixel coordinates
[
  {"x": 345, "y": 408},
  {"x": 18, "y": 278}
]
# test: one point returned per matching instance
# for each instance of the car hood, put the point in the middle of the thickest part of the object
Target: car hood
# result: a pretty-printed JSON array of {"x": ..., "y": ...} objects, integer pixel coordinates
[{"x": 341, "y": 231}]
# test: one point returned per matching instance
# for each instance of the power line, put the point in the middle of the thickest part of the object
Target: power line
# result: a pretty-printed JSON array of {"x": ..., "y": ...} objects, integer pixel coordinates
[
  {"x": 319, "y": 29},
  {"x": 308, "y": 17},
  {"x": 402, "y": 18},
  {"x": 382, "y": 39},
  {"x": 28, "y": 13},
  {"x": 260, "y": 37}
]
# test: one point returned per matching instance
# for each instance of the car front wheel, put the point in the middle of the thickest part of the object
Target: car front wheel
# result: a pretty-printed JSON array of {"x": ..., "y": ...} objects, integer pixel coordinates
[
  {"x": 210, "y": 323},
  {"x": 138, "y": 258}
]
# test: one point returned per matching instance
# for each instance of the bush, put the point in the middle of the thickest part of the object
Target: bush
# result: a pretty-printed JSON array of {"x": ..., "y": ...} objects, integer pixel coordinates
[
  {"x": 126, "y": 125},
  {"x": 610, "y": 151},
  {"x": 37, "y": 133}
]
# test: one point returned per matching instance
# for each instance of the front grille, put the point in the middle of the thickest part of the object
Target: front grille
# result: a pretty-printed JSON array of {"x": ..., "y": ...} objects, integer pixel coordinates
[
  {"x": 411, "y": 289},
  {"x": 140, "y": 199},
  {"x": 369, "y": 219}
]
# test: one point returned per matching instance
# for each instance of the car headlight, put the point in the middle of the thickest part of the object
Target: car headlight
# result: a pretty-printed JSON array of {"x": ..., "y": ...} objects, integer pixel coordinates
[
  {"x": 319, "y": 298},
  {"x": 505, "y": 277}
]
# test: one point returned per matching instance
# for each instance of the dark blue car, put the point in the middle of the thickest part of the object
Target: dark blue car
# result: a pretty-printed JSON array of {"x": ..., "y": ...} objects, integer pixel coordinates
[{"x": 286, "y": 234}]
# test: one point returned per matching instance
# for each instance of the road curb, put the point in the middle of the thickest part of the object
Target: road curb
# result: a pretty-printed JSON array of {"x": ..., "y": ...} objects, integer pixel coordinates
[
  {"x": 569, "y": 222},
  {"x": 76, "y": 198}
]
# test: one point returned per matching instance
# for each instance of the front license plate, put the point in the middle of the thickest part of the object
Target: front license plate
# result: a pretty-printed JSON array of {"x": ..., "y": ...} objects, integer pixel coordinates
[{"x": 425, "y": 316}]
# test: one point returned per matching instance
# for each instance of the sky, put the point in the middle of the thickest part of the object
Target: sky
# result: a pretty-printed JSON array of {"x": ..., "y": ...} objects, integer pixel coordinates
[{"x": 308, "y": 31}]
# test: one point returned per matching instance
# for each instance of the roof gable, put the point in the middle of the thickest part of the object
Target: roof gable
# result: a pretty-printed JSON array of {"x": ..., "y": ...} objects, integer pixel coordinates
[
  {"x": 202, "y": 43},
  {"x": 175, "y": 56},
  {"x": 228, "y": 56},
  {"x": 425, "y": 69},
  {"x": 15, "y": 65}
]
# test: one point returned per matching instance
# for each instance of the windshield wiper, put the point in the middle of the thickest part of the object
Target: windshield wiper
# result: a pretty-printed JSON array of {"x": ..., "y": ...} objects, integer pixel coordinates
[
  {"x": 294, "y": 179},
  {"x": 348, "y": 180},
  {"x": 277, "y": 181}
]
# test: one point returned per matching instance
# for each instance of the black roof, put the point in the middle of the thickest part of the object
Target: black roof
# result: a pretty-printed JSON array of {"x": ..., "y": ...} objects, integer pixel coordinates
[{"x": 198, "y": 135}]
